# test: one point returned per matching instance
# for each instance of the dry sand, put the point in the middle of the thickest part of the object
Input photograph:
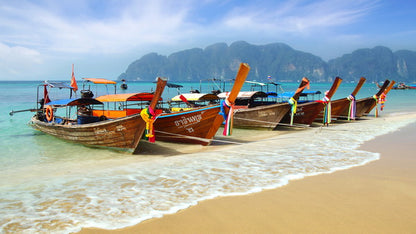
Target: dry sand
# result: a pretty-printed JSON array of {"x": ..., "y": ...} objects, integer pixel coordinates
[{"x": 379, "y": 197}]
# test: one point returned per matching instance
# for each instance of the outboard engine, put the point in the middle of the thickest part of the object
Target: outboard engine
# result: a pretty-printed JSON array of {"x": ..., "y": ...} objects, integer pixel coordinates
[{"x": 86, "y": 94}]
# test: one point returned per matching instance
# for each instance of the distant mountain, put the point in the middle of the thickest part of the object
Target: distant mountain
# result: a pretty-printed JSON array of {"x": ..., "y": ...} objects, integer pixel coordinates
[
  {"x": 278, "y": 60},
  {"x": 375, "y": 64}
]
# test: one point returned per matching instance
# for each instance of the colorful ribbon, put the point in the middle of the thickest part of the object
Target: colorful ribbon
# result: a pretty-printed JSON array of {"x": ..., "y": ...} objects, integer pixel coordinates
[
  {"x": 327, "y": 110},
  {"x": 352, "y": 107},
  {"x": 149, "y": 116},
  {"x": 228, "y": 126},
  {"x": 294, "y": 105},
  {"x": 376, "y": 111},
  {"x": 382, "y": 100}
]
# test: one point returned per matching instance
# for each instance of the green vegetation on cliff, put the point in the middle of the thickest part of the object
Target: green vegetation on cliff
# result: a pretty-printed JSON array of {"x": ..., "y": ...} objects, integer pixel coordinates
[{"x": 278, "y": 60}]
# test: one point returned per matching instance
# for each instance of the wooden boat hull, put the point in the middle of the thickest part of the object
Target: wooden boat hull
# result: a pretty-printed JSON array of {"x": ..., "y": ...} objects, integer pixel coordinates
[
  {"x": 366, "y": 105},
  {"x": 267, "y": 116},
  {"x": 306, "y": 113},
  {"x": 192, "y": 126},
  {"x": 121, "y": 134},
  {"x": 198, "y": 125},
  {"x": 387, "y": 86},
  {"x": 361, "y": 106},
  {"x": 338, "y": 109}
]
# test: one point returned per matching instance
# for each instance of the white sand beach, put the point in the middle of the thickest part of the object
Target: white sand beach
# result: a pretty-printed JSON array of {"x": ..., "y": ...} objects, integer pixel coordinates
[{"x": 379, "y": 197}]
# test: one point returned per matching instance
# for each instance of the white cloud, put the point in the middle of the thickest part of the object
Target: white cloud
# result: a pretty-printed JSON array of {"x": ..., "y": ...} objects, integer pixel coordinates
[
  {"x": 31, "y": 34},
  {"x": 298, "y": 17},
  {"x": 142, "y": 23},
  {"x": 15, "y": 61},
  {"x": 52, "y": 32},
  {"x": 55, "y": 29}
]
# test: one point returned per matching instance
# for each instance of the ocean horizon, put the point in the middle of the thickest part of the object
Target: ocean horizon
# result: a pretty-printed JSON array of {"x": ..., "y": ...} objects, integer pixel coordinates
[{"x": 52, "y": 186}]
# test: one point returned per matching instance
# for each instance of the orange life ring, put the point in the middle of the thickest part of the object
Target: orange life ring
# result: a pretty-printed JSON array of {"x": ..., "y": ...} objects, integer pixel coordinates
[{"x": 49, "y": 113}]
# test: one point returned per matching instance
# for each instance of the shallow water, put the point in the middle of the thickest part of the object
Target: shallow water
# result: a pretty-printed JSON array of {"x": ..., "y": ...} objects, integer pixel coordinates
[{"x": 52, "y": 186}]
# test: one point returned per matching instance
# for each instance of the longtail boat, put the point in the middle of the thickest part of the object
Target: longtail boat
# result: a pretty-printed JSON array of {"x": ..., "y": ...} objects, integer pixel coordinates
[
  {"x": 191, "y": 101},
  {"x": 122, "y": 134},
  {"x": 344, "y": 105},
  {"x": 198, "y": 125},
  {"x": 307, "y": 112},
  {"x": 400, "y": 85},
  {"x": 381, "y": 99},
  {"x": 251, "y": 111},
  {"x": 365, "y": 104}
]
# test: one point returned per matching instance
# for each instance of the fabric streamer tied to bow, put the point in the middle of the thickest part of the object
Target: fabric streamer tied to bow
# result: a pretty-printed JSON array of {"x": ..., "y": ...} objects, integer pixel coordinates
[
  {"x": 149, "y": 116},
  {"x": 382, "y": 100},
  {"x": 376, "y": 109},
  {"x": 294, "y": 105},
  {"x": 352, "y": 107},
  {"x": 327, "y": 109},
  {"x": 228, "y": 126}
]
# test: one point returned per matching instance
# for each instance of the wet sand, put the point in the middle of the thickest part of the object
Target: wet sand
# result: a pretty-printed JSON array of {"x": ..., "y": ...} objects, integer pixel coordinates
[{"x": 379, "y": 197}]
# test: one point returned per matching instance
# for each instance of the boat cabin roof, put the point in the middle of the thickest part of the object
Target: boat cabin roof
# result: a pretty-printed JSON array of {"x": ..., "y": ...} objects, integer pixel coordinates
[
  {"x": 60, "y": 85},
  {"x": 73, "y": 102},
  {"x": 303, "y": 94},
  {"x": 245, "y": 94},
  {"x": 196, "y": 97},
  {"x": 256, "y": 83},
  {"x": 126, "y": 97},
  {"x": 99, "y": 81},
  {"x": 172, "y": 85}
]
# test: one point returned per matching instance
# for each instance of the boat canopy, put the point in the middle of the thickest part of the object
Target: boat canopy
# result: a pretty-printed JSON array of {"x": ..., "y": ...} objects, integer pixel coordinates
[
  {"x": 126, "y": 97},
  {"x": 303, "y": 94},
  {"x": 74, "y": 102},
  {"x": 171, "y": 85},
  {"x": 60, "y": 85},
  {"x": 99, "y": 81},
  {"x": 196, "y": 97},
  {"x": 256, "y": 83},
  {"x": 272, "y": 94},
  {"x": 245, "y": 94},
  {"x": 261, "y": 83}
]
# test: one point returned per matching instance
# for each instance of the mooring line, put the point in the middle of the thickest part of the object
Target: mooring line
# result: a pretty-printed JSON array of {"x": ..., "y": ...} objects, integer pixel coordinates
[
  {"x": 198, "y": 138},
  {"x": 267, "y": 122}
]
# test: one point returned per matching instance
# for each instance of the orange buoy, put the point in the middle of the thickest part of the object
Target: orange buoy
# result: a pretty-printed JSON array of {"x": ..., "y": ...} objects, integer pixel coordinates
[{"x": 49, "y": 113}]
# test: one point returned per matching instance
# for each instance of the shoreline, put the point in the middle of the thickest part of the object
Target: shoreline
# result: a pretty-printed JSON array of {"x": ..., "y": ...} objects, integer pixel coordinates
[{"x": 379, "y": 196}]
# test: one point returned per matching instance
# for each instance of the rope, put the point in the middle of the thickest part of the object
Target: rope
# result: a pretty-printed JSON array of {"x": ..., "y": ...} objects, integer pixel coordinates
[
  {"x": 197, "y": 138},
  {"x": 267, "y": 122},
  {"x": 223, "y": 141}
]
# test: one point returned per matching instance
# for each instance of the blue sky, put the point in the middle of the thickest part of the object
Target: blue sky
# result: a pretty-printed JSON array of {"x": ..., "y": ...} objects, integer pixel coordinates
[{"x": 40, "y": 40}]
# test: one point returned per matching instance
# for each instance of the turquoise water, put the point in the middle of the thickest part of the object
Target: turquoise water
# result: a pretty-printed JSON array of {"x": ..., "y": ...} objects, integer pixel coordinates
[{"x": 52, "y": 186}]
